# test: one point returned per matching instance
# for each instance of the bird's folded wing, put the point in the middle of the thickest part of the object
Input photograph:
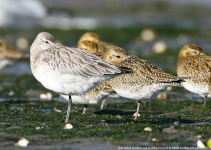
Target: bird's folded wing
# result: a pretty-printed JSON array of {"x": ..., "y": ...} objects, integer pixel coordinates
[
  {"x": 147, "y": 71},
  {"x": 77, "y": 62}
]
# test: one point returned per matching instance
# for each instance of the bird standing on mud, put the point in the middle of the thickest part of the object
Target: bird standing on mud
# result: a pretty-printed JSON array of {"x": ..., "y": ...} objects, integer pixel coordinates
[
  {"x": 68, "y": 71},
  {"x": 196, "y": 64}
]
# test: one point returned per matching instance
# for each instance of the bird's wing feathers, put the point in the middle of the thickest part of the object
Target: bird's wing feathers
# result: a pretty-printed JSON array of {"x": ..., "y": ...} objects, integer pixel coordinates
[
  {"x": 148, "y": 70},
  {"x": 78, "y": 62}
]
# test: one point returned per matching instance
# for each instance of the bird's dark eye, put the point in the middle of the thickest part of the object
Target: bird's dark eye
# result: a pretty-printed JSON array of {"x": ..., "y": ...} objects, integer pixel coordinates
[
  {"x": 195, "y": 52},
  {"x": 46, "y": 42},
  {"x": 118, "y": 56}
]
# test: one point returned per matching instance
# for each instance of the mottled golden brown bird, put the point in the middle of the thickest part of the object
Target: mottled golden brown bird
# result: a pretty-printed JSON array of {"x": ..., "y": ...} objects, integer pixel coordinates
[
  {"x": 7, "y": 54},
  {"x": 146, "y": 81},
  {"x": 95, "y": 96},
  {"x": 89, "y": 46},
  {"x": 194, "y": 63},
  {"x": 94, "y": 37},
  {"x": 90, "y": 36}
]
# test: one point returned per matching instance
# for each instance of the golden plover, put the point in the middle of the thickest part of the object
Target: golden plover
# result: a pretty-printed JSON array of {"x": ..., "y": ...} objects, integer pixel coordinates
[
  {"x": 95, "y": 96},
  {"x": 146, "y": 81},
  {"x": 94, "y": 37},
  {"x": 7, "y": 54},
  {"x": 196, "y": 64}
]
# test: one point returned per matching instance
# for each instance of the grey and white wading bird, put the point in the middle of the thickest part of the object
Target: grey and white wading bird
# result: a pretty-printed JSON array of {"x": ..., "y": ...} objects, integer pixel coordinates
[
  {"x": 68, "y": 70},
  {"x": 101, "y": 93}
]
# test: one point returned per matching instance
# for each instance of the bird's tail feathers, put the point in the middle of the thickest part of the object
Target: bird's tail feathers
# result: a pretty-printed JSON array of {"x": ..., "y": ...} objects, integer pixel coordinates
[{"x": 125, "y": 70}]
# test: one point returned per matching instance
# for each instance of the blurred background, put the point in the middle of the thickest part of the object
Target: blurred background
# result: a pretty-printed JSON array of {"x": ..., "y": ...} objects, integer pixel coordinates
[{"x": 153, "y": 30}]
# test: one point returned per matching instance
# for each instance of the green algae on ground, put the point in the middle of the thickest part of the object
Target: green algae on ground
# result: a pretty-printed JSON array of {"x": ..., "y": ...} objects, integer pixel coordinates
[{"x": 25, "y": 116}]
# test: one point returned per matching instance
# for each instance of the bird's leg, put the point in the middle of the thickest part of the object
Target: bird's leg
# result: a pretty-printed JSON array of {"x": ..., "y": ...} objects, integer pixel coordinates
[
  {"x": 205, "y": 100},
  {"x": 103, "y": 102},
  {"x": 68, "y": 109},
  {"x": 85, "y": 107},
  {"x": 138, "y": 106}
]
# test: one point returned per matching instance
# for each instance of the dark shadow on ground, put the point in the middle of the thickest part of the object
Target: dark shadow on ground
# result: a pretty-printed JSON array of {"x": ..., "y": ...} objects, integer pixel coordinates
[
  {"x": 147, "y": 119},
  {"x": 119, "y": 112}
]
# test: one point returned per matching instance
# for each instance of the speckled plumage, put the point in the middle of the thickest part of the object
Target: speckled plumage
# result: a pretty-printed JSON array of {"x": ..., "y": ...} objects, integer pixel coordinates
[
  {"x": 89, "y": 46},
  {"x": 104, "y": 86},
  {"x": 146, "y": 81},
  {"x": 196, "y": 64},
  {"x": 115, "y": 55},
  {"x": 102, "y": 46},
  {"x": 94, "y": 96},
  {"x": 144, "y": 74},
  {"x": 90, "y": 36}
]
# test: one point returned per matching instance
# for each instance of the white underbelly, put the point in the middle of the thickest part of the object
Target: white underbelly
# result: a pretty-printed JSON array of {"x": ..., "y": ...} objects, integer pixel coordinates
[
  {"x": 201, "y": 89},
  {"x": 65, "y": 83},
  {"x": 143, "y": 94}
]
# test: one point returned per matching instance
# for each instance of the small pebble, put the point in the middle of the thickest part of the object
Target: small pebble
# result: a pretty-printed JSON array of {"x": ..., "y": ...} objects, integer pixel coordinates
[
  {"x": 57, "y": 110},
  {"x": 169, "y": 88},
  {"x": 162, "y": 96},
  {"x": 22, "y": 43},
  {"x": 198, "y": 136},
  {"x": 47, "y": 96},
  {"x": 154, "y": 139},
  {"x": 89, "y": 125},
  {"x": 37, "y": 128},
  {"x": 148, "y": 129},
  {"x": 159, "y": 47},
  {"x": 11, "y": 93},
  {"x": 135, "y": 114},
  {"x": 147, "y": 35},
  {"x": 200, "y": 144},
  {"x": 43, "y": 96},
  {"x": 23, "y": 142},
  {"x": 68, "y": 126},
  {"x": 176, "y": 123},
  {"x": 118, "y": 116}
]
